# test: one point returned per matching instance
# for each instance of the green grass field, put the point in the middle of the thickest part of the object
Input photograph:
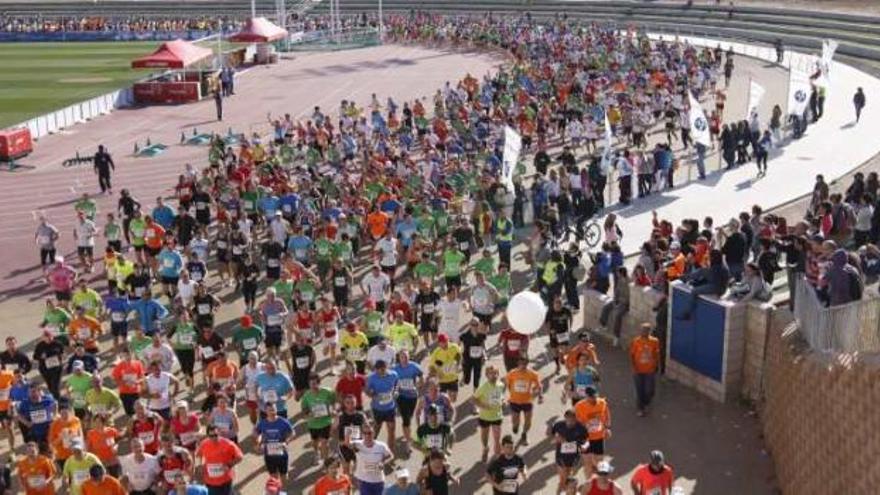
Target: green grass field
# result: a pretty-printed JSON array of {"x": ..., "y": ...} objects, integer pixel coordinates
[{"x": 37, "y": 78}]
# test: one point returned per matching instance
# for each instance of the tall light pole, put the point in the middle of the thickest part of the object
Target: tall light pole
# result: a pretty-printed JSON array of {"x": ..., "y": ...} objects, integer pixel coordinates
[
  {"x": 381, "y": 24},
  {"x": 253, "y": 8},
  {"x": 220, "y": 44}
]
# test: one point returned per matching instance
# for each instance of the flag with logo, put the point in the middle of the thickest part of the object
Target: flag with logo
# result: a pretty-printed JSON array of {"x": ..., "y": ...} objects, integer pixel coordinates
[
  {"x": 512, "y": 147},
  {"x": 756, "y": 93},
  {"x": 799, "y": 90},
  {"x": 699, "y": 124}
]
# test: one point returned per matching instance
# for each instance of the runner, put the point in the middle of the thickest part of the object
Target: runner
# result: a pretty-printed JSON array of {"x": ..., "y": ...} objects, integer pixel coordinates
[
  {"x": 382, "y": 387},
  {"x": 140, "y": 470},
  {"x": 489, "y": 399},
  {"x": 349, "y": 425},
  {"x": 217, "y": 457},
  {"x": 523, "y": 384},
  {"x": 333, "y": 481},
  {"x": 601, "y": 482},
  {"x": 273, "y": 434},
  {"x": 593, "y": 412},
  {"x": 319, "y": 404},
  {"x": 371, "y": 457},
  {"x": 654, "y": 477},
  {"x": 506, "y": 470},
  {"x": 570, "y": 437},
  {"x": 36, "y": 472}
]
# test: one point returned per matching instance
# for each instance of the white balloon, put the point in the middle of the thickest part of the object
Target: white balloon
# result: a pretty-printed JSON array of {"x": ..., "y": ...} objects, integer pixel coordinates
[{"x": 526, "y": 312}]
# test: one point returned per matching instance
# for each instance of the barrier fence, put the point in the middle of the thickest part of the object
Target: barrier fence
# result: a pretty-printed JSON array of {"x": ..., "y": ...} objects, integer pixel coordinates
[
  {"x": 53, "y": 122},
  {"x": 853, "y": 327}
]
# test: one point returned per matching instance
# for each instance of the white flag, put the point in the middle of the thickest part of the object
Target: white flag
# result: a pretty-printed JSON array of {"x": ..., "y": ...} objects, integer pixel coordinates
[
  {"x": 609, "y": 138},
  {"x": 799, "y": 90},
  {"x": 699, "y": 124},
  {"x": 829, "y": 47},
  {"x": 512, "y": 147},
  {"x": 756, "y": 93}
]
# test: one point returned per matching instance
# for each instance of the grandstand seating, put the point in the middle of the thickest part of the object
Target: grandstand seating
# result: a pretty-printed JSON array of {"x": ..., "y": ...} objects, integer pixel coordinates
[{"x": 859, "y": 35}]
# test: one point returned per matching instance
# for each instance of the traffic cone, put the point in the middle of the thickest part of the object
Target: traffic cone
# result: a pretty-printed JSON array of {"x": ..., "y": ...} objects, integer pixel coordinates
[
  {"x": 182, "y": 138},
  {"x": 229, "y": 132},
  {"x": 148, "y": 142},
  {"x": 195, "y": 131}
]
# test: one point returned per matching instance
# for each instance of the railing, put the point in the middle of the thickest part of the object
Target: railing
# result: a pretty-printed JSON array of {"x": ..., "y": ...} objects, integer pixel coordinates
[
  {"x": 853, "y": 327},
  {"x": 53, "y": 122}
]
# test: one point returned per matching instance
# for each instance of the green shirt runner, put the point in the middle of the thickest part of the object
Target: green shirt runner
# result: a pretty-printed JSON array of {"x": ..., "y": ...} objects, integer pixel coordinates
[{"x": 319, "y": 405}]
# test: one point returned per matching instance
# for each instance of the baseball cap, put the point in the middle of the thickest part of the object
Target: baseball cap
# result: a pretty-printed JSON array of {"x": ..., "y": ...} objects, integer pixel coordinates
[
  {"x": 604, "y": 467},
  {"x": 402, "y": 473},
  {"x": 78, "y": 365},
  {"x": 443, "y": 338}
]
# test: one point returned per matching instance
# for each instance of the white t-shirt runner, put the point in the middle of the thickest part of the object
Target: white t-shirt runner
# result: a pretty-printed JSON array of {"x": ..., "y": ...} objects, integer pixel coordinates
[{"x": 370, "y": 461}]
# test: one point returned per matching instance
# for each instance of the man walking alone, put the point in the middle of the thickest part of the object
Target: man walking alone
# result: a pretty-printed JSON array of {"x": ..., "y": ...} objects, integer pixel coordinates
[
  {"x": 103, "y": 163},
  {"x": 644, "y": 354}
]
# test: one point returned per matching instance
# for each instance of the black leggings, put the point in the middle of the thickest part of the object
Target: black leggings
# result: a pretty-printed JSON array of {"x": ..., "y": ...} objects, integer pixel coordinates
[
  {"x": 472, "y": 366},
  {"x": 249, "y": 290}
]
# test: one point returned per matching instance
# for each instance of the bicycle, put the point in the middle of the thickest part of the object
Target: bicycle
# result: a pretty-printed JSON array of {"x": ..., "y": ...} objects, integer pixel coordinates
[{"x": 586, "y": 230}]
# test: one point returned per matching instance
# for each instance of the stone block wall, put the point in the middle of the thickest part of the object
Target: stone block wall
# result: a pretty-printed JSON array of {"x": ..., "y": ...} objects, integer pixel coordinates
[
  {"x": 820, "y": 417},
  {"x": 641, "y": 309}
]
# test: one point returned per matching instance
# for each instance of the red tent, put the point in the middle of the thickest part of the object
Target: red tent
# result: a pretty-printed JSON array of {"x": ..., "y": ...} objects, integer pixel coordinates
[
  {"x": 175, "y": 54},
  {"x": 259, "y": 30}
]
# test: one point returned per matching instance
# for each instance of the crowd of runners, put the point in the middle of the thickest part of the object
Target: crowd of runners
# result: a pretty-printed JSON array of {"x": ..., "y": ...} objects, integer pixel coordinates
[{"x": 374, "y": 249}]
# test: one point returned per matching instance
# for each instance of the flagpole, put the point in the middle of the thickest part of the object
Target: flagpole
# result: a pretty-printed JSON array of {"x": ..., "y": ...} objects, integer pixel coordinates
[{"x": 749, "y": 99}]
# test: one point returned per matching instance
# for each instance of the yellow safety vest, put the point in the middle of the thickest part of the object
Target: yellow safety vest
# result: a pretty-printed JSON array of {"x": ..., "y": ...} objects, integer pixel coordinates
[
  {"x": 500, "y": 225},
  {"x": 549, "y": 275}
]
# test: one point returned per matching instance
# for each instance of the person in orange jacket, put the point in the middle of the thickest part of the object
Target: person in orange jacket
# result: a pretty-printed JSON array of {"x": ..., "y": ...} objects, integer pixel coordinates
[{"x": 644, "y": 356}]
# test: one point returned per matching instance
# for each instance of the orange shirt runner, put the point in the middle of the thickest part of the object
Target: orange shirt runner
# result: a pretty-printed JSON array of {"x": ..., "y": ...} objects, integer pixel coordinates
[
  {"x": 61, "y": 435},
  {"x": 36, "y": 475},
  {"x": 218, "y": 455},
  {"x": 377, "y": 222},
  {"x": 521, "y": 383},
  {"x": 108, "y": 486},
  {"x": 651, "y": 483},
  {"x": 101, "y": 442},
  {"x": 595, "y": 417},
  {"x": 6, "y": 379},
  {"x": 327, "y": 485},
  {"x": 128, "y": 375},
  {"x": 644, "y": 354}
]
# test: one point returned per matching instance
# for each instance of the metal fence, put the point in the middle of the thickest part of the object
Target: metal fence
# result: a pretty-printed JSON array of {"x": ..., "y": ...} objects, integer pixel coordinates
[{"x": 853, "y": 327}]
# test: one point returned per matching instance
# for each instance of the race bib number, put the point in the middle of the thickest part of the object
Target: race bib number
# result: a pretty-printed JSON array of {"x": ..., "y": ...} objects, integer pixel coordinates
[
  {"x": 204, "y": 309},
  {"x": 476, "y": 352},
  {"x": 188, "y": 438},
  {"x": 385, "y": 398},
  {"x": 568, "y": 448},
  {"x": 562, "y": 337},
  {"x": 207, "y": 352},
  {"x": 320, "y": 410},
  {"x": 428, "y": 308},
  {"x": 270, "y": 396},
  {"x": 513, "y": 345},
  {"x": 273, "y": 263},
  {"x": 521, "y": 387},
  {"x": 374, "y": 468},
  {"x": 4, "y": 394},
  {"x": 407, "y": 384},
  {"x": 171, "y": 476},
  {"x": 274, "y": 320},
  {"x": 302, "y": 362},
  {"x": 249, "y": 344},
  {"x": 187, "y": 339},
  {"x": 464, "y": 246},
  {"x": 274, "y": 448},
  {"x": 339, "y": 281},
  {"x": 80, "y": 476},
  {"x": 353, "y": 432},
  {"x": 594, "y": 425},
  {"x": 434, "y": 441},
  {"x": 39, "y": 416},
  {"x": 147, "y": 437},
  {"x": 216, "y": 470},
  {"x": 117, "y": 317},
  {"x": 36, "y": 481},
  {"x": 168, "y": 263},
  {"x": 52, "y": 362},
  {"x": 509, "y": 486}
]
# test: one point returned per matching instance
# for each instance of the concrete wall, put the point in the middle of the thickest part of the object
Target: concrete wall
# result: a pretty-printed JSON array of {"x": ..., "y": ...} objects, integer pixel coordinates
[
  {"x": 641, "y": 309},
  {"x": 820, "y": 417}
]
